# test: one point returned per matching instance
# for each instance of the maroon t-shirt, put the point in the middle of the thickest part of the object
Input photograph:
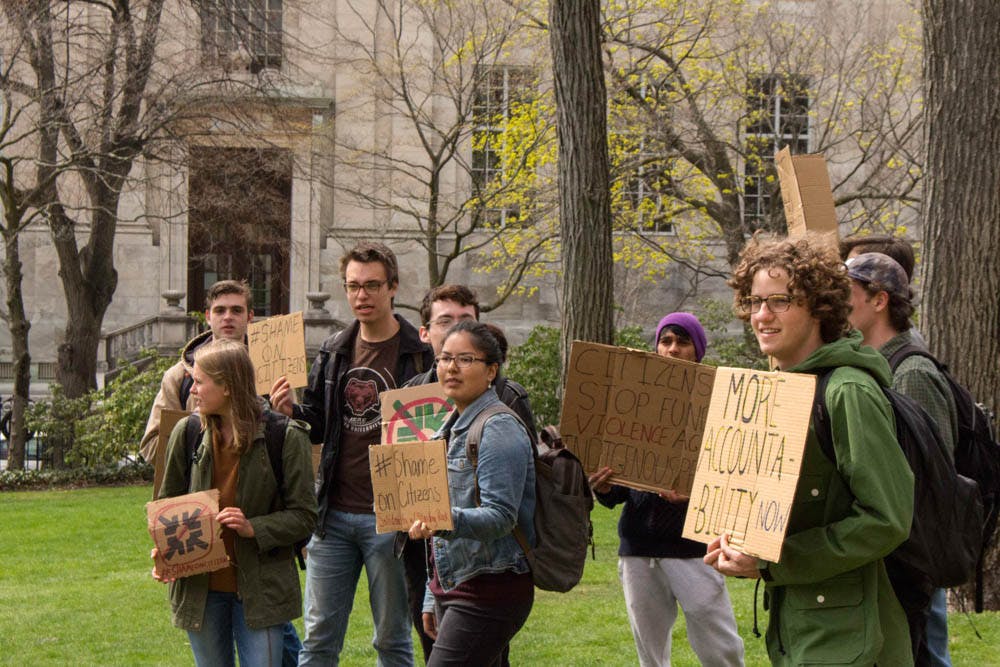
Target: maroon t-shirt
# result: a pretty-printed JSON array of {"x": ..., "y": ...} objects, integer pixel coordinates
[{"x": 372, "y": 372}]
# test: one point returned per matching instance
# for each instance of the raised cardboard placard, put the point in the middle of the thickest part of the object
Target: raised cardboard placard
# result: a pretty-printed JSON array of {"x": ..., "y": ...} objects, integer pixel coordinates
[
  {"x": 750, "y": 459},
  {"x": 414, "y": 414},
  {"x": 187, "y": 535},
  {"x": 278, "y": 347},
  {"x": 410, "y": 482},
  {"x": 637, "y": 412},
  {"x": 168, "y": 420},
  {"x": 806, "y": 193}
]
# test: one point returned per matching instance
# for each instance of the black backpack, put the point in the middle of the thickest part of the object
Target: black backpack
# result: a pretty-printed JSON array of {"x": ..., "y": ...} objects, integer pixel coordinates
[
  {"x": 945, "y": 539},
  {"x": 563, "y": 501},
  {"x": 275, "y": 425},
  {"x": 977, "y": 453}
]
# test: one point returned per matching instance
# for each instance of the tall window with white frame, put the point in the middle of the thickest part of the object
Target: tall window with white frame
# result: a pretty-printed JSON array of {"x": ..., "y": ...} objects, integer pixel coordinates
[
  {"x": 241, "y": 33},
  {"x": 777, "y": 116},
  {"x": 498, "y": 89}
]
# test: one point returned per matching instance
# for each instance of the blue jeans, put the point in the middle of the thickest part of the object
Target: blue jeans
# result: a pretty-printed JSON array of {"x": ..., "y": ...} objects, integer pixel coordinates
[
  {"x": 335, "y": 561},
  {"x": 290, "y": 645},
  {"x": 937, "y": 629},
  {"x": 225, "y": 624}
]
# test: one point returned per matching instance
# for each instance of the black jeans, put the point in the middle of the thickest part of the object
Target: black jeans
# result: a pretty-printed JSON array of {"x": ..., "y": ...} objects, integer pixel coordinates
[{"x": 469, "y": 634}]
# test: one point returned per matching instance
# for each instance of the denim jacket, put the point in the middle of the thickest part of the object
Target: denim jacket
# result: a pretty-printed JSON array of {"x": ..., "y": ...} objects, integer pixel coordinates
[{"x": 482, "y": 539}]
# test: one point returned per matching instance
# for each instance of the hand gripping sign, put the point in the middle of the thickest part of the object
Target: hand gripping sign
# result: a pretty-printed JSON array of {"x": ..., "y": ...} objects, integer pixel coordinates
[{"x": 187, "y": 535}]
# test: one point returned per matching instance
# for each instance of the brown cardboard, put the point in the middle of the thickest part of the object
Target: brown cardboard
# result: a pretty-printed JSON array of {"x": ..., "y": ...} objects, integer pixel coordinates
[
  {"x": 414, "y": 413},
  {"x": 750, "y": 459},
  {"x": 278, "y": 347},
  {"x": 410, "y": 482},
  {"x": 637, "y": 412},
  {"x": 806, "y": 193},
  {"x": 187, "y": 535},
  {"x": 168, "y": 420}
]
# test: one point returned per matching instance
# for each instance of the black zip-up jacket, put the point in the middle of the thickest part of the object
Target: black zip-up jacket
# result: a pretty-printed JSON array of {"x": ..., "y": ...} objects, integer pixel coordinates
[{"x": 322, "y": 398}]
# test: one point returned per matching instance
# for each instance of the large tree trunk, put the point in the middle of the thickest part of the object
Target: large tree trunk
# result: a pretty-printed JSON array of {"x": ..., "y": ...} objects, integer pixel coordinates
[
  {"x": 961, "y": 213},
  {"x": 584, "y": 200},
  {"x": 19, "y": 327}
]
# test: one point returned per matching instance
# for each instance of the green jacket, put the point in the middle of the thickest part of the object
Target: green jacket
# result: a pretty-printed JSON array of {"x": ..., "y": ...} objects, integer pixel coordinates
[
  {"x": 830, "y": 600},
  {"x": 267, "y": 577}
]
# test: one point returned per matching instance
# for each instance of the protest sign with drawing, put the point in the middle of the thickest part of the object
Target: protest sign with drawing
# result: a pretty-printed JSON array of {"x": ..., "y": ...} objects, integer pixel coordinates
[
  {"x": 187, "y": 535},
  {"x": 278, "y": 347},
  {"x": 750, "y": 459},
  {"x": 410, "y": 482},
  {"x": 637, "y": 412},
  {"x": 414, "y": 414}
]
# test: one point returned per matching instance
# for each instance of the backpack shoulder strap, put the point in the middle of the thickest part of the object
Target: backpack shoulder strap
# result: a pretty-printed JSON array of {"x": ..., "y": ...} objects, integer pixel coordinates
[
  {"x": 821, "y": 416},
  {"x": 184, "y": 391},
  {"x": 475, "y": 435},
  {"x": 910, "y": 350},
  {"x": 192, "y": 431},
  {"x": 275, "y": 425}
]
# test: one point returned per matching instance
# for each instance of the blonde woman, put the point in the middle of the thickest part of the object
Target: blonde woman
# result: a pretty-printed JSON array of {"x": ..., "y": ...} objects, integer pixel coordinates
[{"x": 247, "y": 603}]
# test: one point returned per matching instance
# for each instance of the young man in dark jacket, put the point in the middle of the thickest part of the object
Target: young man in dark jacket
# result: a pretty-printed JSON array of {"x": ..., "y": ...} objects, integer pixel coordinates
[{"x": 377, "y": 352}]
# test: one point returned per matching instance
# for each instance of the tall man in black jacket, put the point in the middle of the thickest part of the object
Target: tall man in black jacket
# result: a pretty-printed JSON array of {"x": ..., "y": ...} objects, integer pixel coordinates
[{"x": 377, "y": 352}]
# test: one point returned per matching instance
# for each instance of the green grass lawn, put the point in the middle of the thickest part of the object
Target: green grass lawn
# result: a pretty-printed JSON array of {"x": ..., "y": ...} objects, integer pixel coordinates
[{"x": 75, "y": 589}]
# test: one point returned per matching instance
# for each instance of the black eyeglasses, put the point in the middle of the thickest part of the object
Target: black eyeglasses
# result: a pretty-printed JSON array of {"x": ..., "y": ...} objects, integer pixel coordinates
[
  {"x": 371, "y": 287},
  {"x": 776, "y": 303},
  {"x": 462, "y": 360}
]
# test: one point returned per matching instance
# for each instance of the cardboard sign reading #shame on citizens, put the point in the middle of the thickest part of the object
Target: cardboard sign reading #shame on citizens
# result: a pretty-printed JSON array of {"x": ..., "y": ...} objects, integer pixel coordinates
[
  {"x": 187, "y": 535},
  {"x": 410, "y": 482},
  {"x": 278, "y": 347},
  {"x": 637, "y": 412},
  {"x": 414, "y": 414},
  {"x": 750, "y": 459}
]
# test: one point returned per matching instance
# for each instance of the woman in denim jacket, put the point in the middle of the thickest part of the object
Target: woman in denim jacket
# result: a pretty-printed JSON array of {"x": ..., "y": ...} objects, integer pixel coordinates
[{"x": 480, "y": 589}]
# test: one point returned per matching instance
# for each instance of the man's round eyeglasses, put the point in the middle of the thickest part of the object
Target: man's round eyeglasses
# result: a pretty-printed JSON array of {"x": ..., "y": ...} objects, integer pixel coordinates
[
  {"x": 371, "y": 287},
  {"x": 776, "y": 303},
  {"x": 462, "y": 360}
]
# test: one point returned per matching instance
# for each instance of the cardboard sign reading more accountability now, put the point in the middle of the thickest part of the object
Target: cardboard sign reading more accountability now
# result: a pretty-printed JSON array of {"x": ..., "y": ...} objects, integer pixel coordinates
[
  {"x": 410, "y": 482},
  {"x": 414, "y": 414},
  {"x": 636, "y": 412},
  {"x": 278, "y": 347},
  {"x": 187, "y": 535},
  {"x": 750, "y": 459}
]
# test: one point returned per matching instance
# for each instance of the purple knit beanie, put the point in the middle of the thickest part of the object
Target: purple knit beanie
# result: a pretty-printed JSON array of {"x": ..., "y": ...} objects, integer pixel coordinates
[{"x": 691, "y": 325}]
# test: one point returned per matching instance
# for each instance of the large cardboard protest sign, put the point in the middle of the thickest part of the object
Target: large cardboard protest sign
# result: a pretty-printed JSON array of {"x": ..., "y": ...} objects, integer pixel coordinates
[
  {"x": 414, "y": 414},
  {"x": 168, "y": 420},
  {"x": 750, "y": 459},
  {"x": 187, "y": 535},
  {"x": 410, "y": 482},
  {"x": 637, "y": 412},
  {"x": 278, "y": 347},
  {"x": 806, "y": 193}
]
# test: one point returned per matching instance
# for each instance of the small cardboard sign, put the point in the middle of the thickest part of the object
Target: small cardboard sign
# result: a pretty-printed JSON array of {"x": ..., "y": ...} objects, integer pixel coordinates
[
  {"x": 806, "y": 193},
  {"x": 638, "y": 413},
  {"x": 414, "y": 414},
  {"x": 410, "y": 482},
  {"x": 168, "y": 420},
  {"x": 750, "y": 459},
  {"x": 187, "y": 535},
  {"x": 278, "y": 347}
]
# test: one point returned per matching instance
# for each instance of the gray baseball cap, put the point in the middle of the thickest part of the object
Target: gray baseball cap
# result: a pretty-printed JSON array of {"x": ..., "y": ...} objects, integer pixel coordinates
[{"x": 881, "y": 272}]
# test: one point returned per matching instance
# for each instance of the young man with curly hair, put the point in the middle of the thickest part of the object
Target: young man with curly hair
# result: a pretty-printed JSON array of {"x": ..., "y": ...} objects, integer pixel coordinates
[{"x": 829, "y": 598}]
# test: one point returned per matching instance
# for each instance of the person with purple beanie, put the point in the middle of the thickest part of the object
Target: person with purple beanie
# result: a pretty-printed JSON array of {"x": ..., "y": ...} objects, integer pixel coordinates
[{"x": 658, "y": 568}]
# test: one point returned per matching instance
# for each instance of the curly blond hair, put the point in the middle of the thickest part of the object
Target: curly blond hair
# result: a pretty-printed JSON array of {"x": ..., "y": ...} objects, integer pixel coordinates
[{"x": 816, "y": 274}]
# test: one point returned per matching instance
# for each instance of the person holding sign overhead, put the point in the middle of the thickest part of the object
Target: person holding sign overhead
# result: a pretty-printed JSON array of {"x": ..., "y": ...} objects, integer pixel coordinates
[
  {"x": 829, "y": 598},
  {"x": 658, "y": 568},
  {"x": 481, "y": 590},
  {"x": 248, "y": 602}
]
